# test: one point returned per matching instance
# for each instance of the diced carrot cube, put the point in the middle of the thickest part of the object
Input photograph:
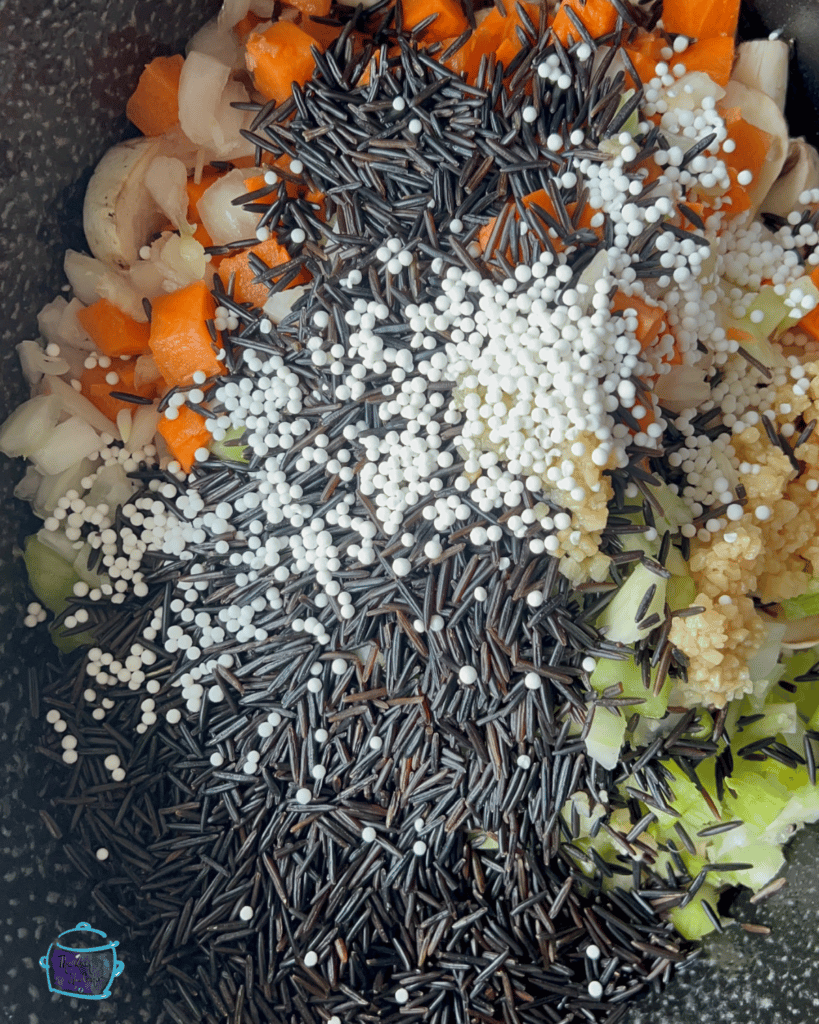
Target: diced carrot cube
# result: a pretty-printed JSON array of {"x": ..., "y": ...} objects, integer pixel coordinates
[
  {"x": 154, "y": 104},
  {"x": 701, "y": 19},
  {"x": 715, "y": 57},
  {"x": 279, "y": 56},
  {"x": 598, "y": 17},
  {"x": 179, "y": 340},
  {"x": 450, "y": 20},
  {"x": 96, "y": 387},
  {"x": 238, "y": 266},
  {"x": 185, "y": 435},
  {"x": 112, "y": 331}
]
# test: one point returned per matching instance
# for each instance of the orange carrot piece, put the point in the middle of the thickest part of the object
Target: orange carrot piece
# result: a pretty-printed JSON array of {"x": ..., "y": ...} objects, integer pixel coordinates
[
  {"x": 244, "y": 290},
  {"x": 203, "y": 238},
  {"x": 810, "y": 322},
  {"x": 243, "y": 28},
  {"x": 713, "y": 56},
  {"x": 736, "y": 199},
  {"x": 277, "y": 57},
  {"x": 701, "y": 19},
  {"x": 493, "y": 29},
  {"x": 462, "y": 61},
  {"x": 645, "y": 52},
  {"x": 185, "y": 435},
  {"x": 599, "y": 17},
  {"x": 539, "y": 198},
  {"x": 650, "y": 318},
  {"x": 752, "y": 145},
  {"x": 507, "y": 50},
  {"x": 449, "y": 23},
  {"x": 324, "y": 35},
  {"x": 112, "y": 331},
  {"x": 180, "y": 341},
  {"x": 311, "y": 8},
  {"x": 154, "y": 104},
  {"x": 196, "y": 189},
  {"x": 96, "y": 388}
]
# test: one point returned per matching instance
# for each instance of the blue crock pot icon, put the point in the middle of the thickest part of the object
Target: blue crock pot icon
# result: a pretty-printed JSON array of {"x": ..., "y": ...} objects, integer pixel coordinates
[{"x": 82, "y": 963}]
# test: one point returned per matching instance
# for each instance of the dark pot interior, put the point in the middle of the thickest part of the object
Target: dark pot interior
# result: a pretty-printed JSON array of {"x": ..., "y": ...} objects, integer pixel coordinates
[{"x": 66, "y": 71}]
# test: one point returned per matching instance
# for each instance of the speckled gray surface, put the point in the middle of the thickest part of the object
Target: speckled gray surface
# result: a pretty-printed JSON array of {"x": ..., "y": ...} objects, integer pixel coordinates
[{"x": 66, "y": 69}]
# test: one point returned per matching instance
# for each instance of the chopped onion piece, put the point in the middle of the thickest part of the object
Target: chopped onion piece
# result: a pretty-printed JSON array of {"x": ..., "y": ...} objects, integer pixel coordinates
[
  {"x": 91, "y": 280},
  {"x": 763, "y": 64},
  {"x": 143, "y": 427},
  {"x": 223, "y": 221},
  {"x": 67, "y": 443},
  {"x": 54, "y": 487},
  {"x": 280, "y": 303},
  {"x": 166, "y": 180},
  {"x": 29, "y": 426},
  {"x": 35, "y": 363},
  {"x": 205, "y": 112},
  {"x": 75, "y": 404},
  {"x": 219, "y": 42}
]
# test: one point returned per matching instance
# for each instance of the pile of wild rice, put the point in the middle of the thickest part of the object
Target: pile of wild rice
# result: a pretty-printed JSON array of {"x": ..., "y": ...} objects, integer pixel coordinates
[{"x": 396, "y": 850}]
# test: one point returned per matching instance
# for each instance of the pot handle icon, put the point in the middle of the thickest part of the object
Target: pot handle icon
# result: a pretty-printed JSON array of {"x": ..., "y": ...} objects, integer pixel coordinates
[
  {"x": 119, "y": 967},
  {"x": 44, "y": 963}
]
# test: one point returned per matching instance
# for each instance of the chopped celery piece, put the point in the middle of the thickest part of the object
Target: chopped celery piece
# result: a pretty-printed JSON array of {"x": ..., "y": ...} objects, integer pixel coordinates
[
  {"x": 692, "y": 922},
  {"x": 765, "y": 667},
  {"x": 680, "y": 592},
  {"x": 778, "y": 718},
  {"x": 479, "y": 839},
  {"x": 605, "y": 738},
  {"x": 676, "y": 512},
  {"x": 807, "y": 693},
  {"x": 770, "y": 314},
  {"x": 75, "y": 556},
  {"x": 227, "y": 449},
  {"x": 688, "y": 802},
  {"x": 618, "y": 619},
  {"x": 766, "y": 860},
  {"x": 773, "y": 310},
  {"x": 796, "y": 608},
  {"x": 609, "y": 672},
  {"x": 68, "y": 643},
  {"x": 52, "y": 578}
]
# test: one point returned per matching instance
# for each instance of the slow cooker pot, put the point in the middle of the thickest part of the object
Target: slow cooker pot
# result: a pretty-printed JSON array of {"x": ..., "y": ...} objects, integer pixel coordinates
[{"x": 82, "y": 963}]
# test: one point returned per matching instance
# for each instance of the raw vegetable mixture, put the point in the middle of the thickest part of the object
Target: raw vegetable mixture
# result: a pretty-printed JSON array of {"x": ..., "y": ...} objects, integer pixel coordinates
[{"x": 429, "y": 488}]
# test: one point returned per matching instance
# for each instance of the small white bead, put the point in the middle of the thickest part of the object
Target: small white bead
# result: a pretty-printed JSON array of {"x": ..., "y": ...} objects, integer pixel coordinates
[{"x": 468, "y": 675}]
